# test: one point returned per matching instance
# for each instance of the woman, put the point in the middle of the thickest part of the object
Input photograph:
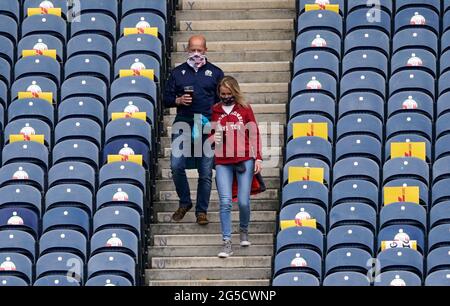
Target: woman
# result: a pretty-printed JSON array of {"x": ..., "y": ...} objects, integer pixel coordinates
[{"x": 237, "y": 157}]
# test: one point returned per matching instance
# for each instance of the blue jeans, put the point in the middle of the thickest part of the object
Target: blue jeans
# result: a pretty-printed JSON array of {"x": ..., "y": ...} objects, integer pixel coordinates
[
  {"x": 224, "y": 181},
  {"x": 204, "y": 166}
]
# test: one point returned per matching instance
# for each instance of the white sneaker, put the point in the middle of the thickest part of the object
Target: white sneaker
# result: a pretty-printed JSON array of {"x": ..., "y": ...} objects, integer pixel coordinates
[
  {"x": 227, "y": 251},
  {"x": 244, "y": 238}
]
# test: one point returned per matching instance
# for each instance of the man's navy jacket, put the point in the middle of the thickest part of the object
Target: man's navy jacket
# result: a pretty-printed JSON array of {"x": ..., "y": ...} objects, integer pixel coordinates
[{"x": 204, "y": 81}]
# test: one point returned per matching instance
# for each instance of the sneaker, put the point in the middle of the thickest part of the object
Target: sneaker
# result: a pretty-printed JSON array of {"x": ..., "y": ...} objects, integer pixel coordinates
[
  {"x": 180, "y": 213},
  {"x": 202, "y": 219},
  {"x": 244, "y": 238},
  {"x": 227, "y": 251}
]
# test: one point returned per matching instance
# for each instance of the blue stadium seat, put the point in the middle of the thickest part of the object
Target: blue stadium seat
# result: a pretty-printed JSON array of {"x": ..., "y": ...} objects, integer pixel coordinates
[
  {"x": 412, "y": 168},
  {"x": 312, "y": 104},
  {"x": 3, "y": 93},
  {"x": 363, "y": 81},
  {"x": 123, "y": 173},
  {"x": 138, "y": 61},
  {"x": 131, "y": 105},
  {"x": 404, "y": 213},
  {"x": 306, "y": 162},
  {"x": 90, "y": 65},
  {"x": 31, "y": 108},
  {"x": 401, "y": 259},
  {"x": 90, "y": 44},
  {"x": 314, "y": 82},
  {"x": 79, "y": 128},
  {"x": 440, "y": 214},
  {"x": 60, "y": 263},
  {"x": 432, "y": 4},
  {"x": 318, "y": 40},
  {"x": 412, "y": 81},
  {"x": 84, "y": 86},
  {"x": 416, "y": 39},
  {"x": 56, "y": 280},
  {"x": 346, "y": 279},
  {"x": 15, "y": 196},
  {"x": 411, "y": 102},
  {"x": 108, "y": 280},
  {"x": 22, "y": 173},
  {"x": 409, "y": 124},
  {"x": 359, "y": 146},
  {"x": 41, "y": 42},
  {"x": 112, "y": 263},
  {"x": 18, "y": 242},
  {"x": 132, "y": 87},
  {"x": 117, "y": 217},
  {"x": 34, "y": 84},
  {"x": 438, "y": 259},
  {"x": 445, "y": 62},
  {"x": 16, "y": 265},
  {"x": 359, "y": 214},
  {"x": 134, "y": 6},
  {"x": 45, "y": 24},
  {"x": 126, "y": 147},
  {"x": 310, "y": 119},
  {"x": 402, "y": 234},
  {"x": 8, "y": 28},
  {"x": 438, "y": 278},
  {"x": 25, "y": 151},
  {"x": 38, "y": 66},
  {"x": 300, "y": 237},
  {"x": 367, "y": 39},
  {"x": 108, "y": 7},
  {"x": 295, "y": 279},
  {"x": 95, "y": 23},
  {"x": 306, "y": 211},
  {"x": 445, "y": 42},
  {"x": 301, "y": 5},
  {"x": 5, "y": 71},
  {"x": 368, "y": 18},
  {"x": 351, "y": 236},
  {"x": 417, "y": 17},
  {"x": 82, "y": 107},
  {"x": 359, "y": 124},
  {"x": 6, "y": 49},
  {"x": 65, "y": 240},
  {"x": 414, "y": 59},
  {"x": 440, "y": 192},
  {"x": 298, "y": 260},
  {"x": 397, "y": 278},
  {"x": 140, "y": 44},
  {"x": 360, "y": 191},
  {"x": 404, "y": 182},
  {"x": 72, "y": 173},
  {"x": 11, "y": 9},
  {"x": 12, "y": 281},
  {"x": 144, "y": 20},
  {"x": 76, "y": 150},
  {"x": 443, "y": 83},
  {"x": 385, "y": 5},
  {"x": 320, "y": 20},
  {"x": 120, "y": 194},
  {"x": 365, "y": 60},
  {"x": 115, "y": 240},
  {"x": 69, "y": 195},
  {"x": 408, "y": 138},
  {"x": 27, "y": 128},
  {"x": 62, "y": 4},
  {"x": 309, "y": 147},
  {"x": 441, "y": 169},
  {"x": 66, "y": 218},
  {"x": 356, "y": 168},
  {"x": 305, "y": 192},
  {"x": 347, "y": 259},
  {"x": 320, "y": 61},
  {"x": 438, "y": 237},
  {"x": 129, "y": 128}
]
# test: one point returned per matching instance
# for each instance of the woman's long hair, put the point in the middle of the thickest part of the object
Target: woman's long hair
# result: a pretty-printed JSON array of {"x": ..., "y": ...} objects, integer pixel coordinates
[{"x": 232, "y": 84}]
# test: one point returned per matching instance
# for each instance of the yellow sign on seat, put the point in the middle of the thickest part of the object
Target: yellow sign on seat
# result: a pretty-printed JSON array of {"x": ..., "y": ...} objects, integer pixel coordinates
[
  {"x": 137, "y": 115},
  {"x": 148, "y": 73},
  {"x": 401, "y": 194},
  {"x": 149, "y": 31},
  {"x": 49, "y": 53},
  {"x": 21, "y": 137},
  {"x": 44, "y": 11},
  {"x": 328, "y": 7},
  {"x": 408, "y": 149},
  {"x": 385, "y": 245},
  {"x": 310, "y": 130},
  {"x": 284, "y": 224},
  {"x": 297, "y": 174},
  {"x": 48, "y": 96},
  {"x": 137, "y": 159}
]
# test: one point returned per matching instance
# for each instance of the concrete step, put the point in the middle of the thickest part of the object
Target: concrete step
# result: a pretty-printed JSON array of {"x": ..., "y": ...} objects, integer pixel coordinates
[
  {"x": 241, "y": 46},
  {"x": 261, "y": 77},
  {"x": 244, "y": 56},
  {"x": 208, "y": 274},
  {"x": 180, "y": 251},
  {"x": 211, "y": 228},
  {"x": 226, "y": 25},
  {"x": 267, "y": 173},
  {"x": 236, "y": 4},
  {"x": 241, "y": 35},
  {"x": 256, "y": 216},
  {"x": 272, "y": 119},
  {"x": 172, "y": 195},
  {"x": 264, "y": 87},
  {"x": 168, "y": 185},
  {"x": 164, "y": 164},
  {"x": 235, "y": 14},
  {"x": 208, "y": 239},
  {"x": 210, "y": 262},
  {"x": 257, "y": 205},
  {"x": 216, "y": 283},
  {"x": 242, "y": 67}
]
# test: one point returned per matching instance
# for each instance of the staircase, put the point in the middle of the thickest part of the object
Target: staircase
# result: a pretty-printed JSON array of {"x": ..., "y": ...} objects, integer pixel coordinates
[{"x": 252, "y": 41}]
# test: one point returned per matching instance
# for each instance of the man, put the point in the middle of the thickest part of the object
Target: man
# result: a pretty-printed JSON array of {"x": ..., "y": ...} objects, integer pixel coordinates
[{"x": 197, "y": 74}]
